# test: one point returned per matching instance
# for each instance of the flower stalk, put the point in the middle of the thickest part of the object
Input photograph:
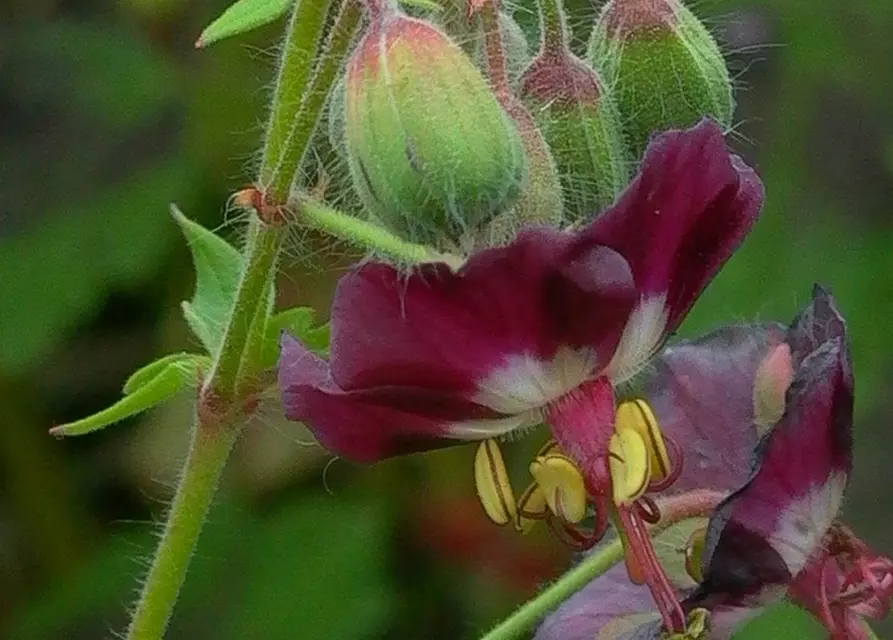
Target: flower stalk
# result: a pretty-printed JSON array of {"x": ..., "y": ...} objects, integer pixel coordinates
[
  {"x": 364, "y": 234},
  {"x": 207, "y": 457},
  {"x": 532, "y": 612},
  {"x": 306, "y": 119},
  {"x": 494, "y": 53},
  {"x": 221, "y": 412},
  {"x": 302, "y": 38}
]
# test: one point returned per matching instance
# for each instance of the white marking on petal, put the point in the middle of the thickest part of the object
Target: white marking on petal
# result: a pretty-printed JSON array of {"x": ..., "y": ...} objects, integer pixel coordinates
[
  {"x": 493, "y": 428},
  {"x": 805, "y": 521},
  {"x": 526, "y": 382},
  {"x": 642, "y": 337}
]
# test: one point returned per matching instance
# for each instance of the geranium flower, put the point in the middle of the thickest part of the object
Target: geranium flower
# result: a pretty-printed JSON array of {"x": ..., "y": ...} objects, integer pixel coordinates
[
  {"x": 777, "y": 534},
  {"x": 541, "y": 330}
]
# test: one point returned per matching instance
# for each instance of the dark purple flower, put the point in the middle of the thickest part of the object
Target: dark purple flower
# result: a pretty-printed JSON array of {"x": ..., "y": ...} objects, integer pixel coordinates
[
  {"x": 437, "y": 355},
  {"x": 539, "y": 331},
  {"x": 776, "y": 534}
]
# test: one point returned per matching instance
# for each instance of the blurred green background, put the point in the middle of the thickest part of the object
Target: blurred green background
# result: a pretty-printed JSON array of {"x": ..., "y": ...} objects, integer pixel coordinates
[{"x": 108, "y": 113}]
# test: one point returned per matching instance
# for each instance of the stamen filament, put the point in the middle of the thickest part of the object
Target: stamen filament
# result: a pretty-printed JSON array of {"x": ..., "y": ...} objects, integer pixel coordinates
[{"x": 654, "y": 575}]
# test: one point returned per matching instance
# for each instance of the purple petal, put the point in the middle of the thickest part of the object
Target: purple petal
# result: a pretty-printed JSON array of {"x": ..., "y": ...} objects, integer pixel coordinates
[
  {"x": 447, "y": 330},
  {"x": 763, "y": 534},
  {"x": 819, "y": 323},
  {"x": 702, "y": 393},
  {"x": 605, "y": 608},
  {"x": 465, "y": 354},
  {"x": 683, "y": 216},
  {"x": 613, "y": 608},
  {"x": 476, "y": 352},
  {"x": 371, "y": 424}
]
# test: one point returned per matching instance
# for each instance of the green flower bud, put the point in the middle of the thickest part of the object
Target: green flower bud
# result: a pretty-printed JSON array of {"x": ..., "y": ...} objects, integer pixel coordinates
[
  {"x": 579, "y": 122},
  {"x": 431, "y": 152},
  {"x": 664, "y": 67}
]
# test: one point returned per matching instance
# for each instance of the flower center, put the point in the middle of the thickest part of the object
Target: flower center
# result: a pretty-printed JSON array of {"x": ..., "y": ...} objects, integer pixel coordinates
[{"x": 638, "y": 460}]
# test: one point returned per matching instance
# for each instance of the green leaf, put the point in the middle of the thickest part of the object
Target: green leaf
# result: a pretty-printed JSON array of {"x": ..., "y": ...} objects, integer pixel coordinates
[
  {"x": 142, "y": 377},
  {"x": 242, "y": 16},
  {"x": 146, "y": 388},
  {"x": 300, "y": 322},
  {"x": 218, "y": 267}
]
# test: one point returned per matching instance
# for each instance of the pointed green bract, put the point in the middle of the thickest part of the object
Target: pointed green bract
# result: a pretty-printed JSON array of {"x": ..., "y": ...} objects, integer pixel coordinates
[
  {"x": 146, "y": 388},
  {"x": 664, "y": 68},
  {"x": 301, "y": 323},
  {"x": 218, "y": 267},
  {"x": 145, "y": 375},
  {"x": 242, "y": 16}
]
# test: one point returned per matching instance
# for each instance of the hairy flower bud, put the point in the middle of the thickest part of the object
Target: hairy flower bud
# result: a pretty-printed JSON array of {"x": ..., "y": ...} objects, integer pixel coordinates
[
  {"x": 431, "y": 152},
  {"x": 664, "y": 67},
  {"x": 581, "y": 127}
]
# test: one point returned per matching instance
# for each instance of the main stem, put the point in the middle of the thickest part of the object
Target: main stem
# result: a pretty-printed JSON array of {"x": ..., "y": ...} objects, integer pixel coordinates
[
  {"x": 200, "y": 477},
  {"x": 220, "y": 415}
]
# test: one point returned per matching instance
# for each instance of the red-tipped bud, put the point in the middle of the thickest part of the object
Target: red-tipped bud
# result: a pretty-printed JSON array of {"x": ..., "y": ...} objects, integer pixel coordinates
[
  {"x": 568, "y": 101},
  {"x": 664, "y": 67},
  {"x": 431, "y": 152}
]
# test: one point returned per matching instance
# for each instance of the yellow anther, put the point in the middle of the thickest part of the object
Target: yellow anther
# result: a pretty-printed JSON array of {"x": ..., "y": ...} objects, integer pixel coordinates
[
  {"x": 531, "y": 508},
  {"x": 491, "y": 479},
  {"x": 562, "y": 485},
  {"x": 638, "y": 416},
  {"x": 629, "y": 464},
  {"x": 694, "y": 554}
]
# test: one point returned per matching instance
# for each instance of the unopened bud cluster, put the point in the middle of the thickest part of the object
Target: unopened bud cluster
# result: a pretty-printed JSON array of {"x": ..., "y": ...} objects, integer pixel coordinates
[{"x": 459, "y": 149}]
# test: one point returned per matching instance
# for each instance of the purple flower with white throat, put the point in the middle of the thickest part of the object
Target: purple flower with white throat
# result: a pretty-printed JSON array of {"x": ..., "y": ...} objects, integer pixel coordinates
[
  {"x": 777, "y": 534},
  {"x": 539, "y": 331}
]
